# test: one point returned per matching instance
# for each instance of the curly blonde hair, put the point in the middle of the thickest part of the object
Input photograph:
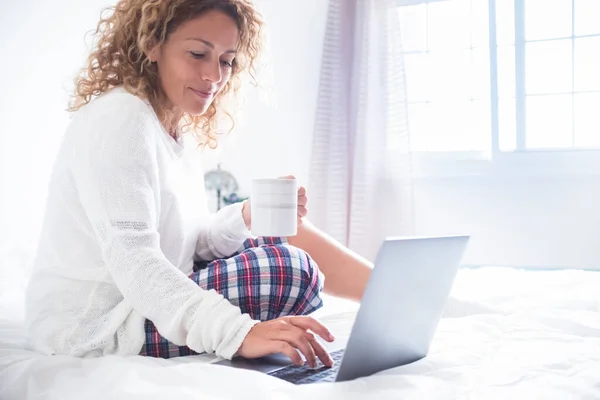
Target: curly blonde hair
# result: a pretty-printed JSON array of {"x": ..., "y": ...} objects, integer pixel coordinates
[{"x": 124, "y": 39}]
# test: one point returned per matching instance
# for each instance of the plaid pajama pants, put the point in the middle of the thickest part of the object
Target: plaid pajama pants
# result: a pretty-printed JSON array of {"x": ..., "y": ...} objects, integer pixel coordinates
[{"x": 267, "y": 279}]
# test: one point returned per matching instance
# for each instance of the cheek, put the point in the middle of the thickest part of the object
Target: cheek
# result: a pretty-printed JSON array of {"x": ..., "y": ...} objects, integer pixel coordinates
[
  {"x": 173, "y": 70},
  {"x": 184, "y": 70},
  {"x": 225, "y": 80}
]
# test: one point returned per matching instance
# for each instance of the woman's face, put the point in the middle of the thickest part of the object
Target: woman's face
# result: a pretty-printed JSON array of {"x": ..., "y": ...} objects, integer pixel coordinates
[{"x": 195, "y": 62}]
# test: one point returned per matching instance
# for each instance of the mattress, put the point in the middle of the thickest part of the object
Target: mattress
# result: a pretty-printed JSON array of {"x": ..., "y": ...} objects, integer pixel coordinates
[{"x": 505, "y": 333}]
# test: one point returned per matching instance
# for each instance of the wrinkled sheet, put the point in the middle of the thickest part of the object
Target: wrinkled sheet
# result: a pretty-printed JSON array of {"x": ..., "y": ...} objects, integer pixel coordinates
[{"x": 505, "y": 334}]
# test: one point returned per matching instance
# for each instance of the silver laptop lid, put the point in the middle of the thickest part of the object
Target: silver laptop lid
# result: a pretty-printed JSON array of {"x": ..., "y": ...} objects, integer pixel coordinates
[{"x": 402, "y": 305}]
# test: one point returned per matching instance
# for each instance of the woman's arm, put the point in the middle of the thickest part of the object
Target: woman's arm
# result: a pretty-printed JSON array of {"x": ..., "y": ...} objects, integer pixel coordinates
[
  {"x": 346, "y": 273},
  {"x": 115, "y": 169},
  {"x": 223, "y": 235}
]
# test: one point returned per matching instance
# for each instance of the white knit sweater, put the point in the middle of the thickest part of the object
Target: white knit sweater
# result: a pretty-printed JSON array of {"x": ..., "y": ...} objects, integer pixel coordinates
[{"x": 126, "y": 216}]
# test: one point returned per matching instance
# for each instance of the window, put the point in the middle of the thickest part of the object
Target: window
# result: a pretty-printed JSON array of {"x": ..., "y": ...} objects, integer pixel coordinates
[{"x": 502, "y": 75}]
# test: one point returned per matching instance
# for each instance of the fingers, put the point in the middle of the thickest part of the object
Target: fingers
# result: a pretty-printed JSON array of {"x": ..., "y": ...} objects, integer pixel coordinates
[
  {"x": 321, "y": 352},
  {"x": 288, "y": 350},
  {"x": 307, "y": 323},
  {"x": 299, "y": 339},
  {"x": 302, "y": 197},
  {"x": 289, "y": 336},
  {"x": 302, "y": 202},
  {"x": 302, "y": 212}
]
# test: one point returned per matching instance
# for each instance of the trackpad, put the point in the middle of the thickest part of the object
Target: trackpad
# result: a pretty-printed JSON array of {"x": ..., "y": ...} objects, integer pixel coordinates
[{"x": 265, "y": 364}]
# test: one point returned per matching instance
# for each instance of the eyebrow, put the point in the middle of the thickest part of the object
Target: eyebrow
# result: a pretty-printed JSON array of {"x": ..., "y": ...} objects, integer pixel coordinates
[{"x": 212, "y": 46}]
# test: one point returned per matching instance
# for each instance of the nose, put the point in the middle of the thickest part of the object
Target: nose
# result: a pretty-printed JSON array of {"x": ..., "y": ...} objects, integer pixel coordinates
[{"x": 211, "y": 72}]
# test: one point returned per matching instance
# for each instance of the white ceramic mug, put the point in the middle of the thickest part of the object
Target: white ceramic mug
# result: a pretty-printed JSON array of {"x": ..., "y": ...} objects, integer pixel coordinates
[{"x": 274, "y": 207}]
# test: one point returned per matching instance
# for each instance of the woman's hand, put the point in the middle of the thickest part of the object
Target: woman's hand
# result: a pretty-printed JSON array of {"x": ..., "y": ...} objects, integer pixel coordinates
[
  {"x": 302, "y": 205},
  {"x": 288, "y": 335}
]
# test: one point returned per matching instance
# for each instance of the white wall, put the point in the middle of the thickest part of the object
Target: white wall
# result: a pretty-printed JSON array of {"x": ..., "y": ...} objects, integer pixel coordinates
[
  {"x": 41, "y": 48},
  {"x": 543, "y": 222}
]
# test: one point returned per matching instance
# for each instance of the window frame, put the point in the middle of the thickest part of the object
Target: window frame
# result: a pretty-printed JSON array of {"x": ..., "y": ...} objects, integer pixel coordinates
[{"x": 545, "y": 162}]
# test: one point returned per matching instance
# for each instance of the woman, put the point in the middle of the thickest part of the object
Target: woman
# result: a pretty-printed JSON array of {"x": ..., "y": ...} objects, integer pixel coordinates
[{"x": 130, "y": 261}]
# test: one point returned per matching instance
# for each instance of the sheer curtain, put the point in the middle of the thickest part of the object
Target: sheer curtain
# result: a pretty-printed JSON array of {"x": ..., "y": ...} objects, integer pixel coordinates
[{"x": 361, "y": 178}]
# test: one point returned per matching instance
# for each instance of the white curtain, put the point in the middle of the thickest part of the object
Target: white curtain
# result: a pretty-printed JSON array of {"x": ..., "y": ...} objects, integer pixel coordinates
[{"x": 360, "y": 179}]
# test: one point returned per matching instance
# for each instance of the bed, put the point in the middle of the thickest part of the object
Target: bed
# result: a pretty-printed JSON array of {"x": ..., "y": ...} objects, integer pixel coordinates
[{"x": 506, "y": 333}]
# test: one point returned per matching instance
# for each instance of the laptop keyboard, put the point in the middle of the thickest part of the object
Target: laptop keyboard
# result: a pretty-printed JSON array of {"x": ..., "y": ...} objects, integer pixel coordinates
[{"x": 305, "y": 374}]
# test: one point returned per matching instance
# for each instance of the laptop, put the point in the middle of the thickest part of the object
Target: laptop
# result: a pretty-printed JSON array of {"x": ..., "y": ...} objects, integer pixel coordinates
[{"x": 398, "y": 315}]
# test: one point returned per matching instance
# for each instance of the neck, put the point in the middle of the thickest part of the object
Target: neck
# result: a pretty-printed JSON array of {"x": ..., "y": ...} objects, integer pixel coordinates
[
  {"x": 171, "y": 123},
  {"x": 169, "y": 115}
]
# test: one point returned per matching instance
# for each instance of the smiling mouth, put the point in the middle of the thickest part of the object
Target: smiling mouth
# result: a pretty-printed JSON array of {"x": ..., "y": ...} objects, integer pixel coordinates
[{"x": 204, "y": 95}]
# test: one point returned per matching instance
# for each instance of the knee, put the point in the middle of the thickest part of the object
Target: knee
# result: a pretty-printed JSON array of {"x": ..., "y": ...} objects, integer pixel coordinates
[
  {"x": 299, "y": 267},
  {"x": 277, "y": 280}
]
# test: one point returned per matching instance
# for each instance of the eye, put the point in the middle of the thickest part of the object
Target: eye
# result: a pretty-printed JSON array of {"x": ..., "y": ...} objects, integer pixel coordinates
[
  {"x": 228, "y": 64},
  {"x": 196, "y": 55}
]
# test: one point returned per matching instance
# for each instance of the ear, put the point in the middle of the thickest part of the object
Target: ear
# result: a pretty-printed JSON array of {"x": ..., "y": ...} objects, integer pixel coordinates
[
  {"x": 154, "y": 52},
  {"x": 153, "y": 55}
]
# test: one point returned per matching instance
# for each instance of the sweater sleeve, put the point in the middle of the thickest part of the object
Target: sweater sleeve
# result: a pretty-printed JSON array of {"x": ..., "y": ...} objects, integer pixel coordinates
[
  {"x": 223, "y": 235},
  {"x": 115, "y": 171}
]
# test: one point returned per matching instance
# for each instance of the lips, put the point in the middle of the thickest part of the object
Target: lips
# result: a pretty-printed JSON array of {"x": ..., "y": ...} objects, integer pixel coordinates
[{"x": 202, "y": 94}]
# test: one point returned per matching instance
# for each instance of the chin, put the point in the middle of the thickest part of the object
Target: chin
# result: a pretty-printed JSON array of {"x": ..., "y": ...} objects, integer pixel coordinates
[{"x": 197, "y": 109}]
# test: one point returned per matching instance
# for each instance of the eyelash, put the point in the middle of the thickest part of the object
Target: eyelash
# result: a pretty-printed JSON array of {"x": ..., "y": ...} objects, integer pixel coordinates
[{"x": 198, "y": 56}]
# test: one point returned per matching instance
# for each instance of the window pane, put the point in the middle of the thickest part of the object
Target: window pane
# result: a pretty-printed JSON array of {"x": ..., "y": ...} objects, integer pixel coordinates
[
  {"x": 460, "y": 74},
  {"x": 547, "y": 19},
  {"x": 587, "y": 64},
  {"x": 480, "y": 27},
  {"x": 506, "y": 71},
  {"x": 549, "y": 121},
  {"x": 418, "y": 125},
  {"x": 505, "y": 22},
  {"x": 450, "y": 75},
  {"x": 507, "y": 124},
  {"x": 413, "y": 27},
  {"x": 479, "y": 122},
  {"x": 587, "y": 15},
  {"x": 587, "y": 120},
  {"x": 448, "y": 24},
  {"x": 445, "y": 131},
  {"x": 548, "y": 67},
  {"x": 455, "y": 126},
  {"x": 459, "y": 126},
  {"x": 479, "y": 74},
  {"x": 417, "y": 77}
]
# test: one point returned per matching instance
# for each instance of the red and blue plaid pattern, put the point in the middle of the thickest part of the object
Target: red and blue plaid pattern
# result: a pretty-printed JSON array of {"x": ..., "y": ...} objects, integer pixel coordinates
[{"x": 268, "y": 279}]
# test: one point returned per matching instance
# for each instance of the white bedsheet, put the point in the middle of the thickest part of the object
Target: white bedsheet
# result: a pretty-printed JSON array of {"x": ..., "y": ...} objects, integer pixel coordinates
[{"x": 505, "y": 334}]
